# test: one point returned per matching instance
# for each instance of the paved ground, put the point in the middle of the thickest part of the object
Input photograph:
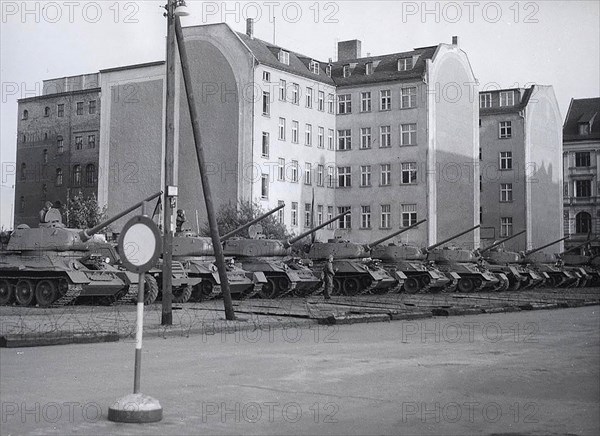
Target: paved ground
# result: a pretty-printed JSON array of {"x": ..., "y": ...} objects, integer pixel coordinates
[{"x": 512, "y": 373}]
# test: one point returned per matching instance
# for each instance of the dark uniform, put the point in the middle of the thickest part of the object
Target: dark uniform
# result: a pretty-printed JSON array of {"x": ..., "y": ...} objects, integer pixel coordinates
[
  {"x": 328, "y": 272},
  {"x": 180, "y": 220}
]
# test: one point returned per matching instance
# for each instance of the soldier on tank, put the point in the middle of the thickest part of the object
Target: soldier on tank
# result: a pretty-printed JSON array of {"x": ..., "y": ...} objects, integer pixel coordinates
[
  {"x": 328, "y": 273},
  {"x": 47, "y": 206},
  {"x": 180, "y": 219}
]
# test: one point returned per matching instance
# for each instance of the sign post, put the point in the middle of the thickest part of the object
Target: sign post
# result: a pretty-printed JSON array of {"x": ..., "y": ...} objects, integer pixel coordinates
[{"x": 139, "y": 248}]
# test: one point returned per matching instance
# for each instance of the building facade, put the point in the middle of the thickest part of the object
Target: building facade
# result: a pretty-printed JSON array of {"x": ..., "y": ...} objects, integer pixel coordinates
[
  {"x": 521, "y": 167},
  {"x": 581, "y": 163}
]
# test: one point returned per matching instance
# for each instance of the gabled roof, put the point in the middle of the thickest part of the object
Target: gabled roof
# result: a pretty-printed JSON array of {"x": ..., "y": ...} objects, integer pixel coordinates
[
  {"x": 584, "y": 110},
  {"x": 385, "y": 67},
  {"x": 523, "y": 94}
]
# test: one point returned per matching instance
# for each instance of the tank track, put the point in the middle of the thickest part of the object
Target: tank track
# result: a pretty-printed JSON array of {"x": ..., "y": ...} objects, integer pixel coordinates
[
  {"x": 216, "y": 292},
  {"x": 252, "y": 292},
  {"x": 73, "y": 291},
  {"x": 129, "y": 297},
  {"x": 450, "y": 287}
]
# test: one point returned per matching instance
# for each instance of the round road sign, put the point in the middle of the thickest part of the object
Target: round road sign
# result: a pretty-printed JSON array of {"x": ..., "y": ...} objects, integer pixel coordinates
[{"x": 140, "y": 244}]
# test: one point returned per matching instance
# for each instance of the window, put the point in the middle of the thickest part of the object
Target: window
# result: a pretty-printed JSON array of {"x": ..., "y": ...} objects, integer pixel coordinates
[
  {"x": 90, "y": 174},
  {"x": 294, "y": 214},
  {"x": 409, "y": 215},
  {"x": 365, "y": 217},
  {"x": 321, "y": 138},
  {"x": 46, "y": 111},
  {"x": 78, "y": 142},
  {"x": 385, "y": 136},
  {"x": 307, "y": 173},
  {"x": 295, "y": 93},
  {"x": 264, "y": 186},
  {"x": 321, "y": 101},
  {"x": 583, "y": 188},
  {"x": 365, "y": 138},
  {"x": 365, "y": 175},
  {"x": 408, "y": 134},
  {"x": 386, "y": 213},
  {"x": 506, "y": 227},
  {"x": 409, "y": 173},
  {"x": 295, "y": 171},
  {"x": 308, "y": 135},
  {"x": 330, "y": 100},
  {"x": 566, "y": 189},
  {"x": 485, "y": 100},
  {"x": 59, "y": 177},
  {"x": 76, "y": 177},
  {"x": 45, "y": 156},
  {"x": 386, "y": 175},
  {"x": 295, "y": 128},
  {"x": 330, "y": 139},
  {"x": 315, "y": 67},
  {"x": 505, "y": 192},
  {"x": 330, "y": 216},
  {"x": 282, "y": 129},
  {"x": 281, "y": 169},
  {"x": 282, "y": 90},
  {"x": 266, "y": 76},
  {"x": 45, "y": 136},
  {"x": 346, "y": 71},
  {"x": 328, "y": 70},
  {"x": 59, "y": 145},
  {"x": 345, "y": 222},
  {"x": 583, "y": 222},
  {"x": 582, "y": 159},
  {"x": 319, "y": 214},
  {"x": 91, "y": 141},
  {"x": 22, "y": 204},
  {"x": 507, "y": 98},
  {"x": 505, "y": 129},
  {"x": 330, "y": 178},
  {"x": 25, "y": 114},
  {"x": 385, "y": 100},
  {"x": 584, "y": 128},
  {"x": 309, "y": 98},
  {"x": 79, "y": 107},
  {"x": 92, "y": 107},
  {"x": 24, "y": 138},
  {"x": 320, "y": 174},
  {"x": 344, "y": 177},
  {"x": 365, "y": 102},
  {"x": 307, "y": 215},
  {"x": 506, "y": 160},
  {"x": 265, "y": 144},
  {"x": 344, "y": 139},
  {"x": 405, "y": 64},
  {"x": 60, "y": 110},
  {"x": 284, "y": 57},
  {"x": 409, "y": 97},
  {"x": 266, "y": 103},
  {"x": 368, "y": 68},
  {"x": 280, "y": 217},
  {"x": 23, "y": 171},
  {"x": 345, "y": 104}
]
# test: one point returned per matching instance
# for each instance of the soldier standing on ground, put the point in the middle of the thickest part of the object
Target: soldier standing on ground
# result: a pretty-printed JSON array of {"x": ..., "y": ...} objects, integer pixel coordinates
[{"x": 328, "y": 272}]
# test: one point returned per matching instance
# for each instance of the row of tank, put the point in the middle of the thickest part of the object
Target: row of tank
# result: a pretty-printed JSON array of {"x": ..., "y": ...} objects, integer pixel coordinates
[{"x": 52, "y": 265}]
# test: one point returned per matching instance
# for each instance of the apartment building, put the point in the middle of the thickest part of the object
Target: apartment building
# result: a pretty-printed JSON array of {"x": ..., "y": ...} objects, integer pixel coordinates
[{"x": 521, "y": 167}]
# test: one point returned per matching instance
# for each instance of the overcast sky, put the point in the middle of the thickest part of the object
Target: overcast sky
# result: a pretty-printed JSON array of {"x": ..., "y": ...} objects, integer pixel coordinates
[{"x": 508, "y": 43}]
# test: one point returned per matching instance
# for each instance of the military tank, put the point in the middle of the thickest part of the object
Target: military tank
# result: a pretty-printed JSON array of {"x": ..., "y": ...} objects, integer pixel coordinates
[
  {"x": 467, "y": 264},
  {"x": 549, "y": 266},
  {"x": 583, "y": 263},
  {"x": 272, "y": 257},
  {"x": 52, "y": 265},
  {"x": 410, "y": 261}
]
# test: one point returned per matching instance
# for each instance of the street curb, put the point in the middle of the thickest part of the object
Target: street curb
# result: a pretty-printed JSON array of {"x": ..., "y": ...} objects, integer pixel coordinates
[
  {"x": 354, "y": 319},
  {"x": 46, "y": 339},
  {"x": 456, "y": 311},
  {"x": 503, "y": 309},
  {"x": 409, "y": 316}
]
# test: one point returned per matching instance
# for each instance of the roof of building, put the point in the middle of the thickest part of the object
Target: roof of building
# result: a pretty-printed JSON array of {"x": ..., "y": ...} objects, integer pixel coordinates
[
  {"x": 582, "y": 111},
  {"x": 131, "y": 67},
  {"x": 523, "y": 93},
  {"x": 385, "y": 67},
  {"x": 59, "y": 94}
]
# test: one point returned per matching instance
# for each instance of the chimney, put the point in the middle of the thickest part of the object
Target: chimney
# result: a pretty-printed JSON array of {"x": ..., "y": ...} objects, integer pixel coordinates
[
  {"x": 348, "y": 50},
  {"x": 250, "y": 27},
  {"x": 455, "y": 40}
]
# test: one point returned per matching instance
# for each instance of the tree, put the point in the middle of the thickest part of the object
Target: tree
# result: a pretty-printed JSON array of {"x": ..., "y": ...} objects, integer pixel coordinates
[
  {"x": 231, "y": 217},
  {"x": 84, "y": 212}
]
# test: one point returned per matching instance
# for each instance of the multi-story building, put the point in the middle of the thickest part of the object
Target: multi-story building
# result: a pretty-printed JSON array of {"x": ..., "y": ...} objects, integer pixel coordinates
[
  {"x": 521, "y": 166},
  {"x": 57, "y": 145},
  {"x": 581, "y": 162}
]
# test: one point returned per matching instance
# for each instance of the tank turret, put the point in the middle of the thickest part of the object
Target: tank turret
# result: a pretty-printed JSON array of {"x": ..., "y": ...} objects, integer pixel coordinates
[
  {"x": 549, "y": 265},
  {"x": 393, "y": 252},
  {"x": 535, "y": 255},
  {"x": 500, "y": 256},
  {"x": 451, "y": 254}
]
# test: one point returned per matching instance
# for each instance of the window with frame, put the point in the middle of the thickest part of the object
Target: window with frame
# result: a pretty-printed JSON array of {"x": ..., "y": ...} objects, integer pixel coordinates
[
  {"x": 345, "y": 222},
  {"x": 315, "y": 67},
  {"x": 319, "y": 214},
  {"x": 294, "y": 214},
  {"x": 505, "y": 128},
  {"x": 282, "y": 90},
  {"x": 59, "y": 177},
  {"x": 266, "y": 103},
  {"x": 281, "y": 129},
  {"x": 408, "y": 97},
  {"x": 346, "y": 70},
  {"x": 345, "y": 139},
  {"x": 385, "y": 178},
  {"x": 79, "y": 108},
  {"x": 365, "y": 217},
  {"x": 46, "y": 111},
  {"x": 295, "y": 93},
  {"x": 368, "y": 68},
  {"x": 584, "y": 129},
  {"x": 23, "y": 171},
  {"x": 408, "y": 134},
  {"x": 365, "y": 101},
  {"x": 280, "y": 212},
  {"x": 92, "y": 107},
  {"x": 330, "y": 139},
  {"x": 280, "y": 168},
  {"x": 330, "y": 217},
  {"x": 583, "y": 222},
  {"x": 309, "y": 98},
  {"x": 295, "y": 171},
  {"x": 345, "y": 104},
  {"x": 307, "y": 215},
  {"x": 405, "y": 64},
  {"x": 409, "y": 215},
  {"x": 330, "y": 177},
  {"x": 60, "y": 110},
  {"x": 264, "y": 186},
  {"x": 330, "y": 103},
  {"x": 344, "y": 177},
  {"x": 507, "y": 98},
  {"x": 265, "y": 144},
  {"x": 365, "y": 138},
  {"x": 25, "y": 115},
  {"x": 328, "y": 70},
  {"x": 266, "y": 76},
  {"x": 566, "y": 189},
  {"x": 321, "y": 101},
  {"x": 45, "y": 156},
  {"x": 321, "y": 138},
  {"x": 365, "y": 175},
  {"x": 485, "y": 100},
  {"x": 409, "y": 173},
  {"x": 385, "y": 137},
  {"x": 506, "y": 160},
  {"x": 583, "y": 188},
  {"x": 90, "y": 174},
  {"x": 78, "y": 142},
  {"x": 295, "y": 128},
  {"x": 506, "y": 193},
  {"x": 308, "y": 173},
  {"x": 91, "y": 141},
  {"x": 582, "y": 159},
  {"x": 60, "y": 148},
  {"x": 284, "y": 57},
  {"x": 385, "y": 100},
  {"x": 386, "y": 214},
  {"x": 76, "y": 177},
  {"x": 320, "y": 174},
  {"x": 308, "y": 135},
  {"x": 506, "y": 227}
]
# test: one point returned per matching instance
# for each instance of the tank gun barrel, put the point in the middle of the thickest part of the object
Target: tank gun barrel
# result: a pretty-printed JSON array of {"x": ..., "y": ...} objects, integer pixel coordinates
[
  {"x": 495, "y": 244},
  {"x": 86, "y": 234},
  {"x": 405, "y": 229},
  {"x": 308, "y": 232},
  {"x": 248, "y": 224},
  {"x": 431, "y": 247},
  {"x": 535, "y": 250},
  {"x": 580, "y": 245}
]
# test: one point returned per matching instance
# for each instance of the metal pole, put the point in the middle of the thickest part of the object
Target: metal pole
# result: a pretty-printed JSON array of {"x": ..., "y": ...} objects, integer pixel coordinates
[
  {"x": 170, "y": 170},
  {"x": 212, "y": 220},
  {"x": 138, "y": 334}
]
